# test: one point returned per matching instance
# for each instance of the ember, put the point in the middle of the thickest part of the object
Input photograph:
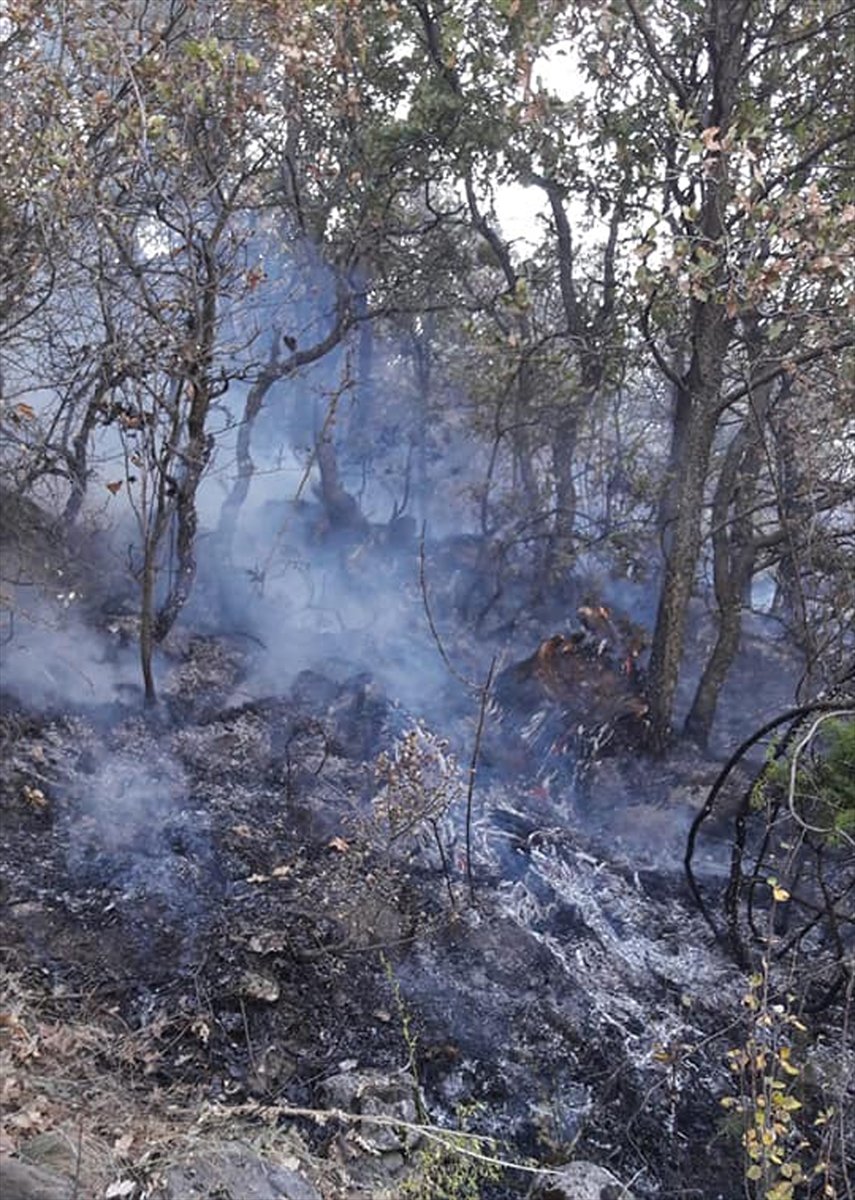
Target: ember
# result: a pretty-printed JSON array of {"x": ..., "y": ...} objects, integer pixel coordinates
[{"x": 579, "y": 692}]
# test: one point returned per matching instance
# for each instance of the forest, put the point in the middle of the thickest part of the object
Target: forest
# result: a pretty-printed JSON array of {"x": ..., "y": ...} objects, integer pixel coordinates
[{"x": 350, "y": 350}]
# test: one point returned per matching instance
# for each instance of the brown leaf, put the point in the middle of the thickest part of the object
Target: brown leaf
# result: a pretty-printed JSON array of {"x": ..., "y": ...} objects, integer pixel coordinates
[
  {"x": 35, "y": 797},
  {"x": 114, "y": 487},
  {"x": 339, "y": 844}
]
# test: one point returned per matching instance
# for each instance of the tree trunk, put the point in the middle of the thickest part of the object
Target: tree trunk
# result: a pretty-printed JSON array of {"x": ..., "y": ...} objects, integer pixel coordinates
[
  {"x": 733, "y": 538},
  {"x": 702, "y": 713},
  {"x": 78, "y": 457},
  {"x": 196, "y": 458},
  {"x": 421, "y": 351},
  {"x": 230, "y": 511},
  {"x": 149, "y": 572},
  {"x": 562, "y": 542},
  {"x": 680, "y": 565},
  {"x": 666, "y": 513},
  {"x": 697, "y": 407},
  {"x": 190, "y": 461},
  {"x": 273, "y": 372},
  {"x": 342, "y": 510}
]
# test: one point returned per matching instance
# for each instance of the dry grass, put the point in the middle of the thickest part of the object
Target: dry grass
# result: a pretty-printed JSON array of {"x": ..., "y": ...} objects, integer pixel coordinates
[
  {"x": 78, "y": 1096},
  {"x": 74, "y": 1095}
]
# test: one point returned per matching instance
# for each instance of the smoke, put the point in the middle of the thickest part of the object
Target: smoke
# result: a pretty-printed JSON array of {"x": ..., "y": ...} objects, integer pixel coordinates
[
  {"x": 125, "y": 806},
  {"x": 131, "y": 831},
  {"x": 331, "y": 604},
  {"x": 52, "y": 658},
  {"x": 338, "y": 599}
]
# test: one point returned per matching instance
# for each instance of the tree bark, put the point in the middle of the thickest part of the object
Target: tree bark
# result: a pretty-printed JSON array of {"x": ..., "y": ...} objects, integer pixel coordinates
[
  {"x": 189, "y": 462},
  {"x": 233, "y": 503},
  {"x": 698, "y": 401},
  {"x": 734, "y": 541},
  {"x": 680, "y": 564}
]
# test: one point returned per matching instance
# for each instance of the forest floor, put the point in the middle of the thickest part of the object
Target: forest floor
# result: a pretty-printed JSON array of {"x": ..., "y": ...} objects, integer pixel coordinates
[{"x": 236, "y": 967}]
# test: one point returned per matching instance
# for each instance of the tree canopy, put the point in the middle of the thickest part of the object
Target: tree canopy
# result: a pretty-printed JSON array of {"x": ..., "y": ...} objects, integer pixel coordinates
[{"x": 201, "y": 203}]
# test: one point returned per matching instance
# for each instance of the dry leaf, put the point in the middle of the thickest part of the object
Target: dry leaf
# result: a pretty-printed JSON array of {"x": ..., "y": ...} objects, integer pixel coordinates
[
  {"x": 10, "y": 1090},
  {"x": 35, "y": 797},
  {"x": 268, "y": 942},
  {"x": 339, "y": 844},
  {"x": 29, "y": 1120}
]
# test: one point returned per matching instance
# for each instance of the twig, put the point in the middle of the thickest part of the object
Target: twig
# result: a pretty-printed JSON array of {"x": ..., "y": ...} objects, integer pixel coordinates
[
  {"x": 432, "y": 1132},
  {"x": 249, "y": 1048},
  {"x": 443, "y": 857},
  {"x": 845, "y": 1076},
  {"x": 467, "y": 683},
  {"x": 78, "y": 1161},
  {"x": 483, "y": 691},
  {"x": 329, "y": 420},
  {"x": 473, "y": 768},
  {"x": 791, "y": 714}
]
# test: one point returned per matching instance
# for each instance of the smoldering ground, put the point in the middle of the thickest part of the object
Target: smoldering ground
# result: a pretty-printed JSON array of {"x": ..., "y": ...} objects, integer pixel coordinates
[{"x": 217, "y": 863}]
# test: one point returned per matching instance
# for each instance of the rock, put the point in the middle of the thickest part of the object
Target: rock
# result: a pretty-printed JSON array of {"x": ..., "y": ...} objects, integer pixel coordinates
[
  {"x": 375, "y": 1094},
  {"x": 579, "y": 1181},
  {"x": 232, "y": 1171},
  {"x": 256, "y": 986},
  {"x": 23, "y": 1181}
]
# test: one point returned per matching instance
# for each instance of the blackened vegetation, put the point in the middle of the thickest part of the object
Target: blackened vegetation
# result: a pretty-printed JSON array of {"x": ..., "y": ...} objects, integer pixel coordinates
[
  {"x": 226, "y": 910},
  {"x": 578, "y": 697},
  {"x": 217, "y": 871},
  {"x": 244, "y": 905},
  {"x": 788, "y": 843}
]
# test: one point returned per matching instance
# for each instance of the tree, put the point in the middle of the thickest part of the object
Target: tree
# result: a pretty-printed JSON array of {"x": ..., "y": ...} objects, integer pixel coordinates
[
  {"x": 742, "y": 134},
  {"x": 159, "y": 108},
  {"x": 228, "y": 198}
]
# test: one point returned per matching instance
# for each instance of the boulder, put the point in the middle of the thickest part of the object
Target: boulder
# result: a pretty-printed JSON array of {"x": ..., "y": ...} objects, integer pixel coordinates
[
  {"x": 24, "y": 1181},
  {"x": 579, "y": 1181},
  {"x": 232, "y": 1171}
]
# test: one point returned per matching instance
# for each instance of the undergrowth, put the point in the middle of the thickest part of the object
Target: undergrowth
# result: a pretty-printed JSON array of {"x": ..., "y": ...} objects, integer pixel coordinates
[{"x": 793, "y": 1107}]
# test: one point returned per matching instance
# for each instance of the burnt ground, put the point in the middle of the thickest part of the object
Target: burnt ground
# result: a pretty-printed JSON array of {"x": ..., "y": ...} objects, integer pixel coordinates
[
  {"x": 220, "y": 877},
  {"x": 224, "y": 911}
]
